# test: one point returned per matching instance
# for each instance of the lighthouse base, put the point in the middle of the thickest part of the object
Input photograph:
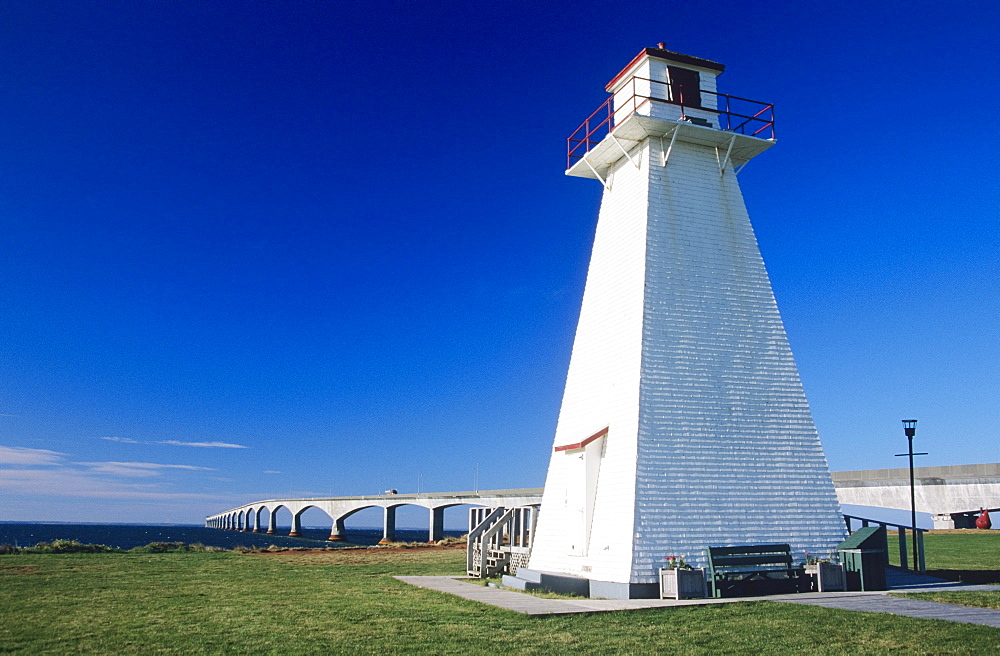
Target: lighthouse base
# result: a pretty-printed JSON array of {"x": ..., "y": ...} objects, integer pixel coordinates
[
  {"x": 528, "y": 579},
  {"x": 609, "y": 590}
]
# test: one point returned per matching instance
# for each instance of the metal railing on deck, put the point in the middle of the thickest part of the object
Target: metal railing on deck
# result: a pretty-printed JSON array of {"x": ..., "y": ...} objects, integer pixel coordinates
[
  {"x": 917, "y": 534},
  {"x": 735, "y": 114}
]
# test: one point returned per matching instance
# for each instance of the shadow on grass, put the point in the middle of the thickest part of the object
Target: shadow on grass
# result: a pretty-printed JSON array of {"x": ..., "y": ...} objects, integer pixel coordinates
[{"x": 966, "y": 575}]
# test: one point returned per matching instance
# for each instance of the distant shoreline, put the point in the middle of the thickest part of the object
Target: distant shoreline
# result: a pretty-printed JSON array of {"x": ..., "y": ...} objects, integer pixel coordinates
[{"x": 128, "y": 536}]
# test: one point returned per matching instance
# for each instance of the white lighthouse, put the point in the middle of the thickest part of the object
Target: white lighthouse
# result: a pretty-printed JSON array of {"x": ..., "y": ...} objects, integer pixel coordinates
[{"x": 683, "y": 423}]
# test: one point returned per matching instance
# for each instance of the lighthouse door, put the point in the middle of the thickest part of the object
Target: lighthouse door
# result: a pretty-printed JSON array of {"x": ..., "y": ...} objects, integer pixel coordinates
[{"x": 584, "y": 470}]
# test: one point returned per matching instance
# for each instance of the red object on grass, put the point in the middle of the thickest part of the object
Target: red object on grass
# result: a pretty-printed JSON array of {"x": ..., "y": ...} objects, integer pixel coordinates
[{"x": 983, "y": 521}]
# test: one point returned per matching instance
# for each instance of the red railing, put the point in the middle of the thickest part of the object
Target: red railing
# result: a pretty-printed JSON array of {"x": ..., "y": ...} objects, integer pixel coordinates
[{"x": 734, "y": 114}]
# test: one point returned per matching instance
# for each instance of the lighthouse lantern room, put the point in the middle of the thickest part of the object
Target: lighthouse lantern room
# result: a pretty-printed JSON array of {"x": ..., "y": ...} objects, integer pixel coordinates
[{"x": 657, "y": 92}]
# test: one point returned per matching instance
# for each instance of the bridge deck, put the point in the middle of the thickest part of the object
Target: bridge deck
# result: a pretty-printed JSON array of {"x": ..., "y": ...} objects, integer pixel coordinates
[{"x": 249, "y": 517}]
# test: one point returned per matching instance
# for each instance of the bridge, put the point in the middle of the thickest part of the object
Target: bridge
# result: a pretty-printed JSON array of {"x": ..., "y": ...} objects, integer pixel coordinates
[
  {"x": 952, "y": 494},
  {"x": 253, "y": 516}
]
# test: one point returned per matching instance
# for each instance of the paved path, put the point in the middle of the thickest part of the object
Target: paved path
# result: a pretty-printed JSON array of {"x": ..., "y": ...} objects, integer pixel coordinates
[
  {"x": 534, "y": 606},
  {"x": 878, "y": 603},
  {"x": 872, "y": 602}
]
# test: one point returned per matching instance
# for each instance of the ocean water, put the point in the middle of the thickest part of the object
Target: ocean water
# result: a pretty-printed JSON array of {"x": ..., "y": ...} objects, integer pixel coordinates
[{"x": 126, "y": 536}]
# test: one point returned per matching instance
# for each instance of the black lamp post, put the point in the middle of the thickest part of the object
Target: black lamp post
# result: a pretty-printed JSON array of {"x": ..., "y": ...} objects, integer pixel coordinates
[{"x": 910, "y": 428}]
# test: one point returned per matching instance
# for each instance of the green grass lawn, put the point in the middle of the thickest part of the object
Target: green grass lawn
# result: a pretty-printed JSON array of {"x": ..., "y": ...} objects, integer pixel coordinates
[
  {"x": 346, "y": 602},
  {"x": 969, "y": 555}
]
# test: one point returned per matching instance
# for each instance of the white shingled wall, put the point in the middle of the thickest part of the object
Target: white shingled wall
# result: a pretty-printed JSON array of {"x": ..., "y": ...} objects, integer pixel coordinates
[{"x": 728, "y": 452}]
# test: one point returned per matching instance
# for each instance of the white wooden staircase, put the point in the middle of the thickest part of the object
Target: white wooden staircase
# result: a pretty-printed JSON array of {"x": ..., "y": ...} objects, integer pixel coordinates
[{"x": 499, "y": 540}]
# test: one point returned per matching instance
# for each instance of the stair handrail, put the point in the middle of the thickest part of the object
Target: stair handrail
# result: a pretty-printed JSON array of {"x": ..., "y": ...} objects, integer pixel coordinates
[
  {"x": 499, "y": 524},
  {"x": 474, "y": 534},
  {"x": 487, "y": 537}
]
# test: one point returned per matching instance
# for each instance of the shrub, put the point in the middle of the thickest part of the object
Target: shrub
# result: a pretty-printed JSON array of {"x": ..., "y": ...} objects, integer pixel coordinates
[
  {"x": 68, "y": 546},
  {"x": 162, "y": 547}
]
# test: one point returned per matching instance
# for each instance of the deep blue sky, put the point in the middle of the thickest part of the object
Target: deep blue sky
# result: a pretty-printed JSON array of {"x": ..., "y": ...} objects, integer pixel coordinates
[{"x": 339, "y": 235}]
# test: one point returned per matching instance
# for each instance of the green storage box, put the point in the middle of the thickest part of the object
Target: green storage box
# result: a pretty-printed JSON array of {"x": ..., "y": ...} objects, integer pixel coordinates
[{"x": 865, "y": 555}]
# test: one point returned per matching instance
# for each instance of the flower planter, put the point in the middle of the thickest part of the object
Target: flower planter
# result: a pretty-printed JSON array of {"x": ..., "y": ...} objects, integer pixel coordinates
[
  {"x": 828, "y": 577},
  {"x": 683, "y": 584}
]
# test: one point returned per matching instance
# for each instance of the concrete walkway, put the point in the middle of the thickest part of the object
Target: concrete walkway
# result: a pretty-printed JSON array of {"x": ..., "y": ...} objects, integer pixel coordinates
[
  {"x": 872, "y": 602},
  {"x": 877, "y": 603},
  {"x": 521, "y": 602}
]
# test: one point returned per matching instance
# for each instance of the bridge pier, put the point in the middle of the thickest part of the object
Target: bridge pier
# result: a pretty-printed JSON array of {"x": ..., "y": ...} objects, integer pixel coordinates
[
  {"x": 388, "y": 525},
  {"x": 337, "y": 531},
  {"x": 256, "y": 520},
  {"x": 296, "y": 525},
  {"x": 436, "y": 531},
  {"x": 271, "y": 519}
]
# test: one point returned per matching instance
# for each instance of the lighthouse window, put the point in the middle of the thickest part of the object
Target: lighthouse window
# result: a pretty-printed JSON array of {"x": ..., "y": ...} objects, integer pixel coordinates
[{"x": 684, "y": 86}]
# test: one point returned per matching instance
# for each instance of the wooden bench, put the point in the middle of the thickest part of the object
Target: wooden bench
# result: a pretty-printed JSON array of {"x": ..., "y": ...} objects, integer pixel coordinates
[{"x": 749, "y": 570}]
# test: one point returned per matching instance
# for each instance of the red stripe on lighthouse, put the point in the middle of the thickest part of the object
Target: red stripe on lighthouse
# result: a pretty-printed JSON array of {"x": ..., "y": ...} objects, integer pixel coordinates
[{"x": 580, "y": 445}]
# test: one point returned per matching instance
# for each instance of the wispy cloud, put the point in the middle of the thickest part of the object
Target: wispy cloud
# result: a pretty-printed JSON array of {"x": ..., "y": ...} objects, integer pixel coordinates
[
  {"x": 271, "y": 471},
  {"x": 20, "y": 455},
  {"x": 64, "y": 482},
  {"x": 204, "y": 445},
  {"x": 136, "y": 469},
  {"x": 45, "y": 473}
]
